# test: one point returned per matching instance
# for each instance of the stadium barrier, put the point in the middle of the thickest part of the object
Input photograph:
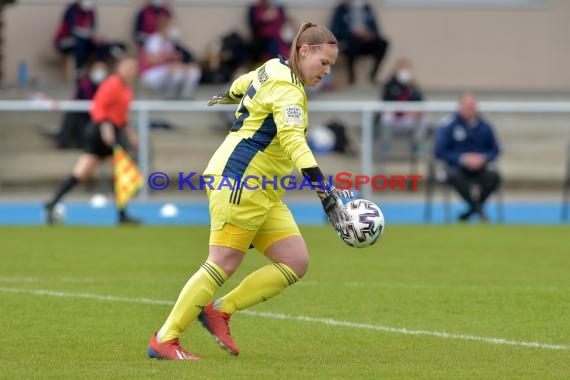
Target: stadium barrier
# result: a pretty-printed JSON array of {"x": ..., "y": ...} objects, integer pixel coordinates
[{"x": 142, "y": 109}]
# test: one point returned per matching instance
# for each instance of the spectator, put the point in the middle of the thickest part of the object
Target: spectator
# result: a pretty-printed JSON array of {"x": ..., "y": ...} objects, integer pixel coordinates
[
  {"x": 77, "y": 35},
  {"x": 354, "y": 24},
  {"x": 161, "y": 65},
  {"x": 74, "y": 122},
  {"x": 467, "y": 143},
  {"x": 266, "y": 20},
  {"x": 146, "y": 23},
  {"x": 403, "y": 87}
]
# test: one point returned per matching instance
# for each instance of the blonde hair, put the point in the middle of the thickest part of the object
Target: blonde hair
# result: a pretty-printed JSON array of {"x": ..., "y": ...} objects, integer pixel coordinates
[{"x": 312, "y": 35}]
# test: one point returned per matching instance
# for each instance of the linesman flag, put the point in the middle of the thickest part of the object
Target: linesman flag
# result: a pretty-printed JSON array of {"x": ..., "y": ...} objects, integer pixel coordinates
[{"x": 126, "y": 176}]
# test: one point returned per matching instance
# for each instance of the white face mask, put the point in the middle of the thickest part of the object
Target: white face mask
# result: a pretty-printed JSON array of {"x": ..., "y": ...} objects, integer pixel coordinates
[
  {"x": 157, "y": 3},
  {"x": 87, "y": 5},
  {"x": 404, "y": 76},
  {"x": 98, "y": 75},
  {"x": 174, "y": 33}
]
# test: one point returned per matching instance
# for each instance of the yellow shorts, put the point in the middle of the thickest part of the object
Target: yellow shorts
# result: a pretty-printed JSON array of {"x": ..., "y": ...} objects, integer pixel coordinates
[{"x": 241, "y": 217}]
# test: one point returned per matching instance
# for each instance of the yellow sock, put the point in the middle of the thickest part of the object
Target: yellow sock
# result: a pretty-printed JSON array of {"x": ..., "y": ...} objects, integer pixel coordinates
[
  {"x": 197, "y": 292},
  {"x": 259, "y": 286}
]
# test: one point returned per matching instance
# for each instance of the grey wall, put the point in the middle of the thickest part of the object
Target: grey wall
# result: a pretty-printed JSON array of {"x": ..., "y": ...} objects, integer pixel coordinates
[{"x": 453, "y": 48}]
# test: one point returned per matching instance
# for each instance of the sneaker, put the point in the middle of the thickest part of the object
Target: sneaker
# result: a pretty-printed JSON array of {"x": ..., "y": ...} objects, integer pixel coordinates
[
  {"x": 50, "y": 219},
  {"x": 217, "y": 323},
  {"x": 483, "y": 217},
  {"x": 54, "y": 214},
  {"x": 464, "y": 216},
  {"x": 127, "y": 220},
  {"x": 169, "y": 350}
]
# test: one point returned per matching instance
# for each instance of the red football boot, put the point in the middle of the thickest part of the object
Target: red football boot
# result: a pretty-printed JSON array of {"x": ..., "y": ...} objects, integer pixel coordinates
[
  {"x": 217, "y": 323},
  {"x": 169, "y": 350}
]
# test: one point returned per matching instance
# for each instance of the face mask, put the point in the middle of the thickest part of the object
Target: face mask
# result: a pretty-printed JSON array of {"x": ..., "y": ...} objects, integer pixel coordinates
[
  {"x": 157, "y": 3},
  {"x": 174, "y": 34},
  {"x": 87, "y": 5},
  {"x": 287, "y": 35},
  {"x": 404, "y": 76},
  {"x": 98, "y": 75}
]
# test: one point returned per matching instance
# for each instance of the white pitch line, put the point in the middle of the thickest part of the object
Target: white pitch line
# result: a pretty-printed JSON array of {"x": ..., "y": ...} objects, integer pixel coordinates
[
  {"x": 303, "y": 318},
  {"x": 16, "y": 280}
]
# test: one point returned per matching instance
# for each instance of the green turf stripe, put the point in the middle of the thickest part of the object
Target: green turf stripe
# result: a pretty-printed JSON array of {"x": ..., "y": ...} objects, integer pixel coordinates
[
  {"x": 213, "y": 273},
  {"x": 286, "y": 273}
]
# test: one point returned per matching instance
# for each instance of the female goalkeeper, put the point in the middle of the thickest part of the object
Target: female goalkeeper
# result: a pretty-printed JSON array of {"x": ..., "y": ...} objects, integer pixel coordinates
[{"x": 267, "y": 141}]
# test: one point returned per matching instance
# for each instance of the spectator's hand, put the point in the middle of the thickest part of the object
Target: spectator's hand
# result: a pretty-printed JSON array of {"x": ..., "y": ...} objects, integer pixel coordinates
[
  {"x": 364, "y": 34},
  {"x": 223, "y": 98},
  {"x": 107, "y": 133},
  {"x": 473, "y": 161}
]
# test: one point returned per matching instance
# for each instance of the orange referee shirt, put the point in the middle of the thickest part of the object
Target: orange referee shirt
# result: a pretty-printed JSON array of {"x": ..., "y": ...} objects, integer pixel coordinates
[{"x": 112, "y": 102}]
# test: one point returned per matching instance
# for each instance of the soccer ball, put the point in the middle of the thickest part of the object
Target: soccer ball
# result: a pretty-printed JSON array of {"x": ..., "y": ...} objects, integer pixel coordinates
[{"x": 366, "y": 224}]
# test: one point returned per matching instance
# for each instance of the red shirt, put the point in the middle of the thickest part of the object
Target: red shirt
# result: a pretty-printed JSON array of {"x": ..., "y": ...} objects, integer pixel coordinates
[{"x": 112, "y": 102}]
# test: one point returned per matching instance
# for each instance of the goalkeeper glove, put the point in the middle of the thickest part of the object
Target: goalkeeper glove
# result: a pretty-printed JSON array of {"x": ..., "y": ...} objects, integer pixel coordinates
[
  {"x": 224, "y": 98},
  {"x": 330, "y": 198}
]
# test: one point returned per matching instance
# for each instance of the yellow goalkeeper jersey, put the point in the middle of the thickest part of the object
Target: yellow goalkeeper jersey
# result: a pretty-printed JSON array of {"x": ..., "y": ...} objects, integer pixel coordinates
[{"x": 268, "y": 137}]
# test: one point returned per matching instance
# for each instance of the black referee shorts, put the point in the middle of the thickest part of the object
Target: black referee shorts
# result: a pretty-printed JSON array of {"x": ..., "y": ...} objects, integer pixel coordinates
[{"x": 93, "y": 144}]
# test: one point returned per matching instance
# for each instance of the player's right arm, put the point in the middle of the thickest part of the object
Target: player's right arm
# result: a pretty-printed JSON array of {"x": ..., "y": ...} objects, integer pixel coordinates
[{"x": 235, "y": 93}]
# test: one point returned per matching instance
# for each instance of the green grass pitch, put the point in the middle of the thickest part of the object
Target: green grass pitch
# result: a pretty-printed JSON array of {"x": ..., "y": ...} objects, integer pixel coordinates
[{"x": 426, "y": 302}]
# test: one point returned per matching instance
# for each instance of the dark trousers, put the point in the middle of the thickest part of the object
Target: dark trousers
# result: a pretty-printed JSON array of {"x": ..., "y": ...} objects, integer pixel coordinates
[
  {"x": 355, "y": 47},
  {"x": 486, "y": 180}
]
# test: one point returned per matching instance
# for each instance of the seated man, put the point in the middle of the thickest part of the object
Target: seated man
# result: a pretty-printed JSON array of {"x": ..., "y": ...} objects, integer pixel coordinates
[
  {"x": 354, "y": 24},
  {"x": 467, "y": 143}
]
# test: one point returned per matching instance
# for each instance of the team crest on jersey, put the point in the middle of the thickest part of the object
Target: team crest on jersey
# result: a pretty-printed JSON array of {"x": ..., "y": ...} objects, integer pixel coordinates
[{"x": 293, "y": 115}]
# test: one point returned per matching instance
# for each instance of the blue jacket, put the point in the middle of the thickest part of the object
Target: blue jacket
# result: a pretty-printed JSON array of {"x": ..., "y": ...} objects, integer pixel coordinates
[
  {"x": 340, "y": 25},
  {"x": 454, "y": 138}
]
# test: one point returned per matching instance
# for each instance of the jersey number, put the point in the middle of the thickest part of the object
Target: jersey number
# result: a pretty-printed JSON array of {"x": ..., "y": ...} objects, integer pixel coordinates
[{"x": 244, "y": 112}]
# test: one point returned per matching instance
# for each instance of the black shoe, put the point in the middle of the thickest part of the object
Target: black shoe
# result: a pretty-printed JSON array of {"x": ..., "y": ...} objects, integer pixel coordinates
[
  {"x": 124, "y": 219},
  {"x": 483, "y": 217},
  {"x": 464, "y": 216},
  {"x": 50, "y": 219}
]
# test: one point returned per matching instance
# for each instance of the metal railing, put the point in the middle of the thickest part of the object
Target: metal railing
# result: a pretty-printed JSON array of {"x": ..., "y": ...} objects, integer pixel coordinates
[{"x": 142, "y": 109}]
